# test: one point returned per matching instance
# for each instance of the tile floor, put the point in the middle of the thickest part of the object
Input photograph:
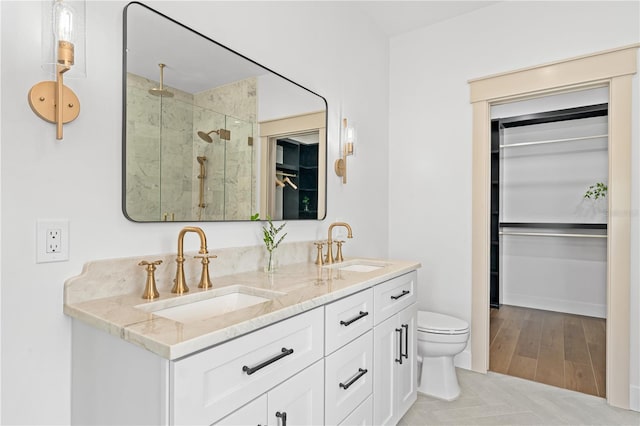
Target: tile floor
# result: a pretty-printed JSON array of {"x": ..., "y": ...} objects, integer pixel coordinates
[{"x": 497, "y": 399}]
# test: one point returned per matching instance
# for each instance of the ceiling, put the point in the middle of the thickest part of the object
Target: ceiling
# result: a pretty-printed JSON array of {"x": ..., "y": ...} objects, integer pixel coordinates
[{"x": 397, "y": 17}]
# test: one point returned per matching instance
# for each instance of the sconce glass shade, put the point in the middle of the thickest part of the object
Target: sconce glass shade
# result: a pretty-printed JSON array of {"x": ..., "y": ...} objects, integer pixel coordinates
[
  {"x": 348, "y": 139},
  {"x": 63, "y": 22},
  {"x": 347, "y": 142}
]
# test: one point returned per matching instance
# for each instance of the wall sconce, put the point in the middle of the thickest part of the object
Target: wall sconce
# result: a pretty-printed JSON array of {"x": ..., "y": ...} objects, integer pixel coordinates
[
  {"x": 52, "y": 100},
  {"x": 348, "y": 139}
]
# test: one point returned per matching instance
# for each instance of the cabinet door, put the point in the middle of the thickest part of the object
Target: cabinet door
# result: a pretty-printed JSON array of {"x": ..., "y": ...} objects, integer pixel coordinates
[
  {"x": 300, "y": 399},
  {"x": 386, "y": 351},
  {"x": 406, "y": 377},
  {"x": 254, "y": 413}
]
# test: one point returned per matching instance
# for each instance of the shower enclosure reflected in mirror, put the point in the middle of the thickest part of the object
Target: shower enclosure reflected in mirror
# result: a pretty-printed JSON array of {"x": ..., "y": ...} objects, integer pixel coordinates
[{"x": 205, "y": 127}]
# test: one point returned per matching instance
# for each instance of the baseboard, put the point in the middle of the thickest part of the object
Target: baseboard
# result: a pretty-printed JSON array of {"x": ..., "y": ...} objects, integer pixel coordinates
[
  {"x": 556, "y": 305},
  {"x": 634, "y": 398},
  {"x": 463, "y": 359}
]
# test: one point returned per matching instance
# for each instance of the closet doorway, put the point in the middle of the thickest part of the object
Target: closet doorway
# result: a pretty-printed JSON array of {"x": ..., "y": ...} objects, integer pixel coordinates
[
  {"x": 549, "y": 169},
  {"x": 614, "y": 69}
]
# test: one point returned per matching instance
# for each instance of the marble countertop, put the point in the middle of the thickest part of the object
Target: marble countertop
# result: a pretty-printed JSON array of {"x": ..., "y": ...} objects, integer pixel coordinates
[{"x": 303, "y": 286}]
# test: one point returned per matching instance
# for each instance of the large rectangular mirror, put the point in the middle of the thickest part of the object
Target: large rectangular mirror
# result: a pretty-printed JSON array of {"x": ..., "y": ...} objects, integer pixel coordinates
[{"x": 210, "y": 135}]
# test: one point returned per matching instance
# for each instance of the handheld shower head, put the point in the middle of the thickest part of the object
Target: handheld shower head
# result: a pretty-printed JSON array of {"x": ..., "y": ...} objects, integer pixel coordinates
[{"x": 205, "y": 136}]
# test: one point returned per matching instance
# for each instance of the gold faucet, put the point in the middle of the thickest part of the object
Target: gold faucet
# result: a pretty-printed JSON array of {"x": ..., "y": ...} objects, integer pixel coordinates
[
  {"x": 180, "y": 285},
  {"x": 329, "y": 259}
]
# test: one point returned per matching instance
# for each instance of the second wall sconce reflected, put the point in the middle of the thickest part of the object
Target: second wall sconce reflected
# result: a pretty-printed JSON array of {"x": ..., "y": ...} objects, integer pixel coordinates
[{"x": 347, "y": 141}]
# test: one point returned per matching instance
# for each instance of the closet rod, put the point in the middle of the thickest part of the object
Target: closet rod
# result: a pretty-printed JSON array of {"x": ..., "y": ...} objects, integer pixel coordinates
[
  {"x": 548, "y": 234},
  {"x": 513, "y": 145}
]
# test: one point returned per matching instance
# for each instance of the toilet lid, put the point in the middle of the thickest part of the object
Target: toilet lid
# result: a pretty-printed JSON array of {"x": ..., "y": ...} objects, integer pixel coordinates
[{"x": 441, "y": 324}]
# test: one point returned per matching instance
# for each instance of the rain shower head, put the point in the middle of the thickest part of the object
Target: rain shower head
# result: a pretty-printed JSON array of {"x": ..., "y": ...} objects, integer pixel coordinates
[
  {"x": 205, "y": 136},
  {"x": 161, "y": 91}
]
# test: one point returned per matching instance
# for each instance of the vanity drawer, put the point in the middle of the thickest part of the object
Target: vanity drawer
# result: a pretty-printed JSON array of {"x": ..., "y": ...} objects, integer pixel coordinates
[
  {"x": 211, "y": 384},
  {"x": 394, "y": 295},
  {"x": 361, "y": 416},
  {"x": 347, "y": 319},
  {"x": 348, "y": 378}
]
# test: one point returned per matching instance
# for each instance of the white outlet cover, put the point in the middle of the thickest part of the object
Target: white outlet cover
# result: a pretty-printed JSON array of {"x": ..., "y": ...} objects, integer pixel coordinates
[{"x": 42, "y": 226}]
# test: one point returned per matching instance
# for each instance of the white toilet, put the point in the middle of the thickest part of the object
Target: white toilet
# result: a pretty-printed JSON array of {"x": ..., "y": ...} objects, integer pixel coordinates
[{"x": 440, "y": 338}]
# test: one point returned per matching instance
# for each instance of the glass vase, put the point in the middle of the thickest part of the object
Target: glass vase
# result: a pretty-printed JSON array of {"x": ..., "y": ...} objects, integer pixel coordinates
[{"x": 271, "y": 264}]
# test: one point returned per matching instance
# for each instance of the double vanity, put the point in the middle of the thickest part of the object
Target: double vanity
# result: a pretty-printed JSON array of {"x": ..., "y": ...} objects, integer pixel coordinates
[{"x": 309, "y": 344}]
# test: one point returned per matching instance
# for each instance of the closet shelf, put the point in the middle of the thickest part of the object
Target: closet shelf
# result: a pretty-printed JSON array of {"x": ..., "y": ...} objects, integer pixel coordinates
[
  {"x": 553, "y": 225},
  {"x": 579, "y": 113},
  {"x": 552, "y": 234},
  {"x": 581, "y": 138}
]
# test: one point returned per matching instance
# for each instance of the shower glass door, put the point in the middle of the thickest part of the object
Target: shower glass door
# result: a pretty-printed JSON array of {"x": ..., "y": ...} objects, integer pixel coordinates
[{"x": 179, "y": 175}]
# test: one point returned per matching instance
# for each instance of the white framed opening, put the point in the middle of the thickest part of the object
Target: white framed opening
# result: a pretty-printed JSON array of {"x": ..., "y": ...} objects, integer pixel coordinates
[{"x": 613, "y": 69}]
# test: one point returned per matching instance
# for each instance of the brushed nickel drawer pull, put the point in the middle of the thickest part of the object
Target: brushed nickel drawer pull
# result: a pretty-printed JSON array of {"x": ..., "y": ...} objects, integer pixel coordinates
[
  {"x": 361, "y": 372},
  {"x": 361, "y": 315},
  {"x": 404, "y": 293},
  {"x": 251, "y": 370}
]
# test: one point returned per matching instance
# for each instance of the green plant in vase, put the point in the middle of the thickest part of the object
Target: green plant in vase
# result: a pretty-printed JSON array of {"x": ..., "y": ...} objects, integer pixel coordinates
[
  {"x": 596, "y": 191},
  {"x": 271, "y": 241},
  {"x": 305, "y": 202}
]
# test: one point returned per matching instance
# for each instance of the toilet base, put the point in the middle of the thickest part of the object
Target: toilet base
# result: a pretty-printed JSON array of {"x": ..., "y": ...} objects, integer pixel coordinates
[{"x": 438, "y": 378}]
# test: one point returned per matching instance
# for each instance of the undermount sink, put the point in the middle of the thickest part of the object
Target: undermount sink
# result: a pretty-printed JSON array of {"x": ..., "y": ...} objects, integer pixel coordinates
[
  {"x": 357, "y": 265},
  {"x": 199, "y": 306}
]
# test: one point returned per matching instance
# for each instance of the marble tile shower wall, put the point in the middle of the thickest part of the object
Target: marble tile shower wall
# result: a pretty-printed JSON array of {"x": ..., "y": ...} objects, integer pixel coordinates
[
  {"x": 158, "y": 151},
  {"x": 163, "y": 147},
  {"x": 236, "y": 200}
]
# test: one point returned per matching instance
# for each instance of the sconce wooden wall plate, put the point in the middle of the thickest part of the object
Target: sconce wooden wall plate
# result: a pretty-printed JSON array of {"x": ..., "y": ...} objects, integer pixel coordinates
[{"x": 42, "y": 100}]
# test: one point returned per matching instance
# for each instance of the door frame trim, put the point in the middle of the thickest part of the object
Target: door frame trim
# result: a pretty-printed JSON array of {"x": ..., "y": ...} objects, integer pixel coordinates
[{"x": 613, "y": 68}]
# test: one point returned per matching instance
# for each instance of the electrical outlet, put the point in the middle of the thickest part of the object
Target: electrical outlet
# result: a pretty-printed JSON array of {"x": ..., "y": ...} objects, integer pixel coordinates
[{"x": 52, "y": 241}]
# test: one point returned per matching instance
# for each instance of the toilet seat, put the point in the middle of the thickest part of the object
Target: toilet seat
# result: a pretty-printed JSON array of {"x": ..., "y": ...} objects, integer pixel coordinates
[{"x": 432, "y": 322}]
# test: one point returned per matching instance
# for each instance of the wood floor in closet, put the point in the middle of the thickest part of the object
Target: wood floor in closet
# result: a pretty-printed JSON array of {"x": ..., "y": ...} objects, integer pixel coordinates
[{"x": 563, "y": 350}]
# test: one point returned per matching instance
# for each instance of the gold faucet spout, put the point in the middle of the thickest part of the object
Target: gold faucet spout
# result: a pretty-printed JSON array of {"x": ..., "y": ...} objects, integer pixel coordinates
[
  {"x": 329, "y": 259},
  {"x": 334, "y": 224},
  {"x": 180, "y": 285}
]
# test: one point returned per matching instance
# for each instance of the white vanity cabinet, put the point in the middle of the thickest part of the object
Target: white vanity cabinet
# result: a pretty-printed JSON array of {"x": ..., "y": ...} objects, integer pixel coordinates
[
  {"x": 351, "y": 361},
  {"x": 395, "y": 351},
  {"x": 212, "y": 383},
  {"x": 297, "y": 401},
  {"x": 115, "y": 382}
]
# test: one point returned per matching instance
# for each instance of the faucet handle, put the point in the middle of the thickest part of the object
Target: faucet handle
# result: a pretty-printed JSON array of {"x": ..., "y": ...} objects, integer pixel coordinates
[
  {"x": 205, "y": 280},
  {"x": 339, "y": 257},
  {"x": 319, "y": 245},
  {"x": 150, "y": 290}
]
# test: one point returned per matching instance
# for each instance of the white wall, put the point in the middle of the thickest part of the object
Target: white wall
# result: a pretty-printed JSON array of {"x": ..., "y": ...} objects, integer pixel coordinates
[
  {"x": 79, "y": 178},
  {"x": 430, "y": 129}
]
